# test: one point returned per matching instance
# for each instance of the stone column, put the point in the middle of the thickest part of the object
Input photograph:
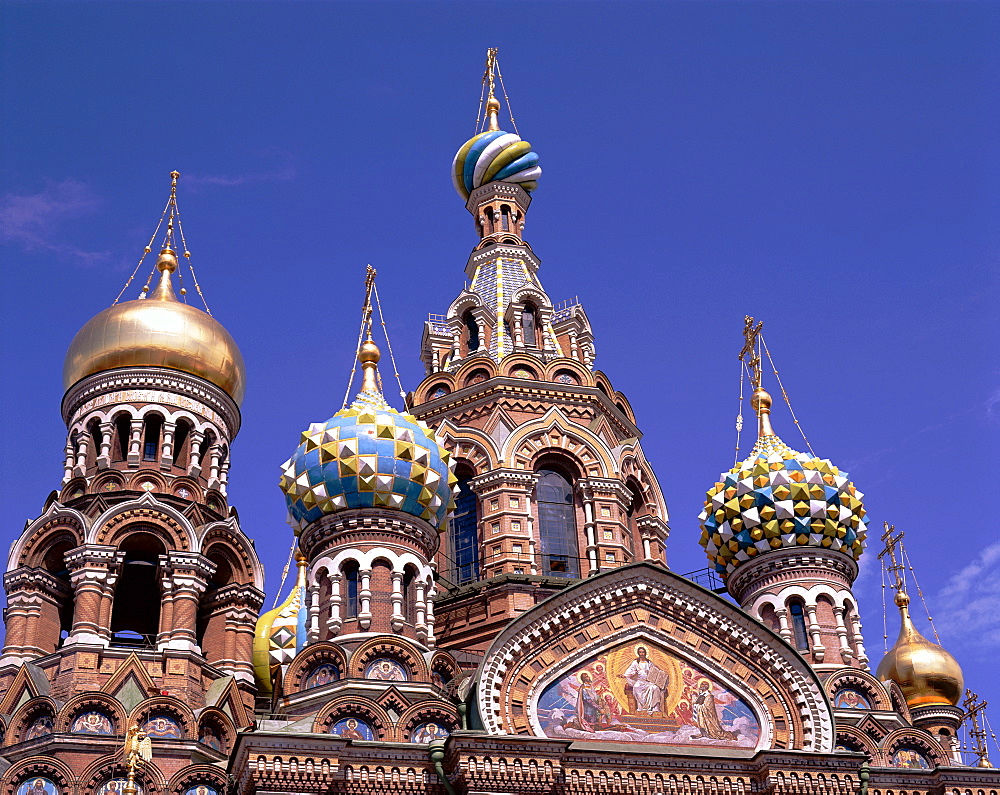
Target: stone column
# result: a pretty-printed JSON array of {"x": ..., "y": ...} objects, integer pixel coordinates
[
  {"x": 82, "y": 448},
  {"x": 135, "y": 443},
  {"x": 397, "y": 620},
  {"x": 421, "y": 610},
  {"x": 846, "y": 652},
  {"x": 818, "y": 650},
  {"x": 365, "y": 599},
  {"x": 94, "y": 572},
  {"x": 784, "y": 629},
  {"x": 107, "y": 438},
  {"x": 859, "y": 644},
  {"x": 167, "y": 448},
  {"x": 186, "y": 575},
  {"x": 335, "y": 620},
  {"x": 69, "y": 462},
  {"x": 194, "y": 460},
  {"x": 35, "y": 601}
]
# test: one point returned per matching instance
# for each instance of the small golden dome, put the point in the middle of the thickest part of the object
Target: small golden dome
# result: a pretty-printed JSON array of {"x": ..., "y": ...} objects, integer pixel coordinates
[
  {"x": 924, "y": 671},
  {"x": 158, "y": 331}
]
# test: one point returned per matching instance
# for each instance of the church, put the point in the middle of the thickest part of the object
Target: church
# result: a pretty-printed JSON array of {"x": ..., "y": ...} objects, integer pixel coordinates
[{"x": 480, "y": 601}]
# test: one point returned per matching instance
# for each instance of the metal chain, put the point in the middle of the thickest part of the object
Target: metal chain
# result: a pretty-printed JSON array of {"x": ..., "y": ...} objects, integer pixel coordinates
[
  {"x": 920, "y": 593},
  {"x": 385, "y": 332},
  {"x": 284, "y": 574},
  {"x": 505, "y": 99},
  {"x": 145, "y": 251},
  {"x": 739, "y": 415},
  {"x": 784, "y": 394},
  {"x": 187, "y": 256}
]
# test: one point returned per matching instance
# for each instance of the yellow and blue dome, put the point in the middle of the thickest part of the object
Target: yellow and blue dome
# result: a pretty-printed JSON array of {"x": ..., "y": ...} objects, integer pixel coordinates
[
  {"x": 779, "y": 498},
  {"x": 495, "y": 156},
  {"x": 369, "y": 456}
]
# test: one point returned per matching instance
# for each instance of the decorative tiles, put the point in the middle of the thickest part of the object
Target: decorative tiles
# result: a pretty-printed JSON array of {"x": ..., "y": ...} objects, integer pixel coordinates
[
  {"x": 494, "y": 156},
  {"x": 779, "y": 498},
  {"x": 369, "y": 455}
]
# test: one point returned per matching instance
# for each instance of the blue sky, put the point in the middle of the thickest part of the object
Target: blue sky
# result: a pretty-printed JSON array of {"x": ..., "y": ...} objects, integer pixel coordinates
[{"x": 831, "y": 168}]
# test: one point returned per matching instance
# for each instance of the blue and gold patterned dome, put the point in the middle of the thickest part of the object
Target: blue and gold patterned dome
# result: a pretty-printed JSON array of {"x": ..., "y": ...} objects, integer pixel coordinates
[
  {"x": 494, "y": 156},
  {"x": 779, "y": 498},
  {"x": 369, "y": 455}
]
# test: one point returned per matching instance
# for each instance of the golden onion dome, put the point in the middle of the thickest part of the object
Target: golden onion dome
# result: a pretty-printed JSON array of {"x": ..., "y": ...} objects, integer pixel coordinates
[
  {"x": 924, "y": 671},
  {"x": 158, "y": 331}
]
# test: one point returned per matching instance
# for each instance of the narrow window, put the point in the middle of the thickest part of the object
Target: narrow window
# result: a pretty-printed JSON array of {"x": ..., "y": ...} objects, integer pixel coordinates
[
  {"x": 135, "y": 611},
  {"x": 97, "y": 437},
  {"x": 473, "y": 331},
  {"x": 557, "y": 525},
  {"x": 465, "y": 531},
  {"x": 180, "y": 441},
  {"x": 409, "y": 597},
  {"x": 529, "y": 326},
  {"x": 505, "y": 218},
  {"x": 351, "y": 589},
  {"x": 123, "y": 429},
  {"x": 151, "y": 439},
  {"x": 799, "y": 625}
]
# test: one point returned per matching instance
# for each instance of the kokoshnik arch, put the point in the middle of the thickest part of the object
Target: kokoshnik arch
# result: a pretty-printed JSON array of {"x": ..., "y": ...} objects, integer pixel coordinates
[{"x": 482, "y": 602}]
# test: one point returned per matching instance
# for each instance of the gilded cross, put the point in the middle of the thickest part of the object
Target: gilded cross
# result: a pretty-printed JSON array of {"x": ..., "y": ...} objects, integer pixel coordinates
[
  {"x": 749, "y": 351},
  {"x": 891, "y": 542}
]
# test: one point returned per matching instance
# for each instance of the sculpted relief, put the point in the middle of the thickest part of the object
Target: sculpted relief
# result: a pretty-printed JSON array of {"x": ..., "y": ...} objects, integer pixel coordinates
[{"x": 639, "y": 692}]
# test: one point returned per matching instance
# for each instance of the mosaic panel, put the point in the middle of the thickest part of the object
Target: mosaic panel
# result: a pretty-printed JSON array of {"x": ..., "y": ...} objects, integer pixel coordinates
[
  {"x": 92, "y": 723},
  {"x": 38, "y": 786},
  {"x": 352, "y": 729},
  {"x": 386, "y": 669},
  {"x": 637, "y": 692},
  {"x": 428, "y": 732},
  {"x": 849, "y": 698}
]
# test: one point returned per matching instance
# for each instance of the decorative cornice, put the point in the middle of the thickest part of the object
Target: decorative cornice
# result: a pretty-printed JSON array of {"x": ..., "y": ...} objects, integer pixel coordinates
[
  {"x": 176, "y": 386},
  {"x": 325, "y": 532},
  {"x": 786, "y": 566}
]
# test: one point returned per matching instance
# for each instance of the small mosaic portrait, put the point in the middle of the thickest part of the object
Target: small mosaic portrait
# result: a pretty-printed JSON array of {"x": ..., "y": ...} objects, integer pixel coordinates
[
  {"x": 41, "y": 726},
  {"x": 209, "y": 735},
  {"x": 352, "y": 729},
  {"x": 37, "y": 786},
  {"x": 163, "y": 727},
  {"x": 201, "y": 789},
  {"x": 910, "y": 758},
  {"x": 322, "y": 674},
  {"x": 116, "y": 786},
  {"x": 428, "y": 732},
  {"x": 849, "y": 698},
  {"x": 92, "y": 723},
  {"x": 385, "y": 669}
]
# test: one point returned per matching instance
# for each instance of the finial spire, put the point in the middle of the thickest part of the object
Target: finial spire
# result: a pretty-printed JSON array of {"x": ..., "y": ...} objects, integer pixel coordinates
[
  {"x": 489, "y": 77},
  {"x": 761, "y": 399}
]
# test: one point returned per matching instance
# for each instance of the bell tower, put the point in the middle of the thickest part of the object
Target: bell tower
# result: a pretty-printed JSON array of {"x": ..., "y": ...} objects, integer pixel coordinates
[
  {"x": 553, "y": 485},
  {"x": 139, "y": 551}
]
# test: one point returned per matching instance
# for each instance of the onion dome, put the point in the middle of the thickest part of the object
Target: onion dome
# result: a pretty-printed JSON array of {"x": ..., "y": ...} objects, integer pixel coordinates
[
  {"x": 369, "y": 455},
  {"x": 158, "y": 331},
  {"x": 924, "y": 671},
  {"x": 495, "y": 156},
  {"x": 779, "y": 498},
  {"x": 281, "y": 632}
]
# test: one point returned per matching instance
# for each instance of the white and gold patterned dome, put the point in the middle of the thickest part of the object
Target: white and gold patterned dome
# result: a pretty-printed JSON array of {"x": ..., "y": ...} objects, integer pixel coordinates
[
  {"x": 776, "y": 498},
  {"x": 369, "y": 456}
]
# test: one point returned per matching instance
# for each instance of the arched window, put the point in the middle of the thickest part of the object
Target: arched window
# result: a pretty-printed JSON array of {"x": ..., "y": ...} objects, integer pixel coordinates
[
  {"x": 465, "y": 529},
  {"x": 54, "y": 563},
  {"x": 135, "y": 614},
  {"x": 472, "y": 327},
  {"x": 529, "y": 325},
  {"x": 409, "y": 595},
  {"x": 557, "y": 525},
  {"x": 505, "y": 218},
  {"x": 151, "y": 437},
  {"x": 350, "y": 571},
  {"x": 123, "y": 429},
  {"x": 181, "y": 436},
  {"x": 799, "y": 624},
  {"x": 491, "y": 226},
  {"x": 96, "y": 439}
]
